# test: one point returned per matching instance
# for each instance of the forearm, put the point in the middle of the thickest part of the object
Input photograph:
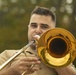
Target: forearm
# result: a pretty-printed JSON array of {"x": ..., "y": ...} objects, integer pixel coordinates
[
  {"x": 8, "y": 71},
  {"x": 69, "y": 70}
]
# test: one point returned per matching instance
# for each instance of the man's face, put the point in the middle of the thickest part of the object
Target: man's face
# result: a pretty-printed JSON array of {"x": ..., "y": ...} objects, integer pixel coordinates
[{"x": 38, "y": 25}]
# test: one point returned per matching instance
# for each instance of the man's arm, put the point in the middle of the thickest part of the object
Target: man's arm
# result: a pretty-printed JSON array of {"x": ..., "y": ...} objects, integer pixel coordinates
[
  {"x": 21, "y": 66},
  {"x": 8, "y": 71},
  {"x": 69, "y": 70}
]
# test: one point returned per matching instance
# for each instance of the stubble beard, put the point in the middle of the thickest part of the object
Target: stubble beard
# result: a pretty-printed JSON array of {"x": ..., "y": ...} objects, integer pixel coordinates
[{"x": 33, "y": 46}]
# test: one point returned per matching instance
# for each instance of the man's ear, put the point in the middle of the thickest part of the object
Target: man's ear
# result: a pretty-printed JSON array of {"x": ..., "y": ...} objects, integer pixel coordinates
[
  {"x": 28, "y": 26},
  {"x": 53, "y": 24}
]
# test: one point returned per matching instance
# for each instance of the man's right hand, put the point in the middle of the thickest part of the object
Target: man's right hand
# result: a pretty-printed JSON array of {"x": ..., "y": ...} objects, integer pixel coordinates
[{"x": 24, "y": 65}]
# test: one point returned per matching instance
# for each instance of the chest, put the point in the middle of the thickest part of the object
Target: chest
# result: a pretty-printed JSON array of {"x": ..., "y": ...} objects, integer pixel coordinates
[{"x": 44, "y": 71}]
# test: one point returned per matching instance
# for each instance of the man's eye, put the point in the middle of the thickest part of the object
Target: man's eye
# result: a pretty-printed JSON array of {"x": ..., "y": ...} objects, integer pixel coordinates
[
  {"x": 33, "y": 26},
  {"x": 44, "y": 27}
]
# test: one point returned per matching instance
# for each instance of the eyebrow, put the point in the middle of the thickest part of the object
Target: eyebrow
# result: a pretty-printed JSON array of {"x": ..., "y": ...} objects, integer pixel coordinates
[
  {"x": 33, "y": 23},
  {"x": 44, "y": 24}
]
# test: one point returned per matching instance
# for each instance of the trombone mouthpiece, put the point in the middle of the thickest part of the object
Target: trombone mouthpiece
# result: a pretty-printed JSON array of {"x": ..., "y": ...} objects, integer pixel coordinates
[{"x": 36, "y": 37}]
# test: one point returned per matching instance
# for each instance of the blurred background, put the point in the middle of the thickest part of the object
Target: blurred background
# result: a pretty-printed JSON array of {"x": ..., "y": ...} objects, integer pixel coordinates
[{"x": 15, "y": 15}]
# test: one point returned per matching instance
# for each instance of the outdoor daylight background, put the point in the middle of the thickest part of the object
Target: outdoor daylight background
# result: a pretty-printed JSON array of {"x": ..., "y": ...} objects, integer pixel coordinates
[{"x": 15, "y": 15}]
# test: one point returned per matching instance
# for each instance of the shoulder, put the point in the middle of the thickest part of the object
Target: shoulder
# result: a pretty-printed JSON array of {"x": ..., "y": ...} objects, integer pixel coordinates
[
  {"x": 5, "y": 55},
  {"x": 8, "y": 53}
]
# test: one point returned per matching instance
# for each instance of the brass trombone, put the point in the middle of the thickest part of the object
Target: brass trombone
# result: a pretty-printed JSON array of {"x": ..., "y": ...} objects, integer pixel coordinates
[{"x": 56, "y": 48}]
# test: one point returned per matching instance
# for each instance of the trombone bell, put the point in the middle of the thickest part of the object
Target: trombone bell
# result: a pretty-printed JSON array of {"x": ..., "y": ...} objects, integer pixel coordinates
[{"x": 56, "y": 47}]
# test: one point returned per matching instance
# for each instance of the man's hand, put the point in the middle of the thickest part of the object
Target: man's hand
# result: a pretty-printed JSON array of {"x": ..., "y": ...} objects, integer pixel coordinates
[{"x": 26, "y": 65}]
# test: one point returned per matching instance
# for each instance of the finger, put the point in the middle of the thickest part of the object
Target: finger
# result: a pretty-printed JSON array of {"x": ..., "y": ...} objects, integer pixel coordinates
[
  {"x": 28, "y": 63},
  {"x": 29, "y": 59}
]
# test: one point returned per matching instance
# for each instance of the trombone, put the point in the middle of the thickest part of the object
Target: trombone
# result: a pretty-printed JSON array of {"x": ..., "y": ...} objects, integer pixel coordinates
[{"x": 56, "y": 48}]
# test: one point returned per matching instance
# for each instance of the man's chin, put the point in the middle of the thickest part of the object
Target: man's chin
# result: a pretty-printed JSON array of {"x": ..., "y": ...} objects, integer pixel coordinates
[{"x": 33, "y": 46}]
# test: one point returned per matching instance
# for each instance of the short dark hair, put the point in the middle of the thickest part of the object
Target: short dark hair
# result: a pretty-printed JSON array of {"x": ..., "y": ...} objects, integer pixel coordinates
[{"x": 44, "y": 11}]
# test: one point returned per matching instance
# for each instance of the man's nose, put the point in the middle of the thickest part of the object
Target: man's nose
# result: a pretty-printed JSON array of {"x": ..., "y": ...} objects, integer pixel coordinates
[{"x": 38, "y": 30}]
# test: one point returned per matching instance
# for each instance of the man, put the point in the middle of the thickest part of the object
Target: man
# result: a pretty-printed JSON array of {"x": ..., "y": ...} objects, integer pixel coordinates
[{"x": 28, "y": 63}]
